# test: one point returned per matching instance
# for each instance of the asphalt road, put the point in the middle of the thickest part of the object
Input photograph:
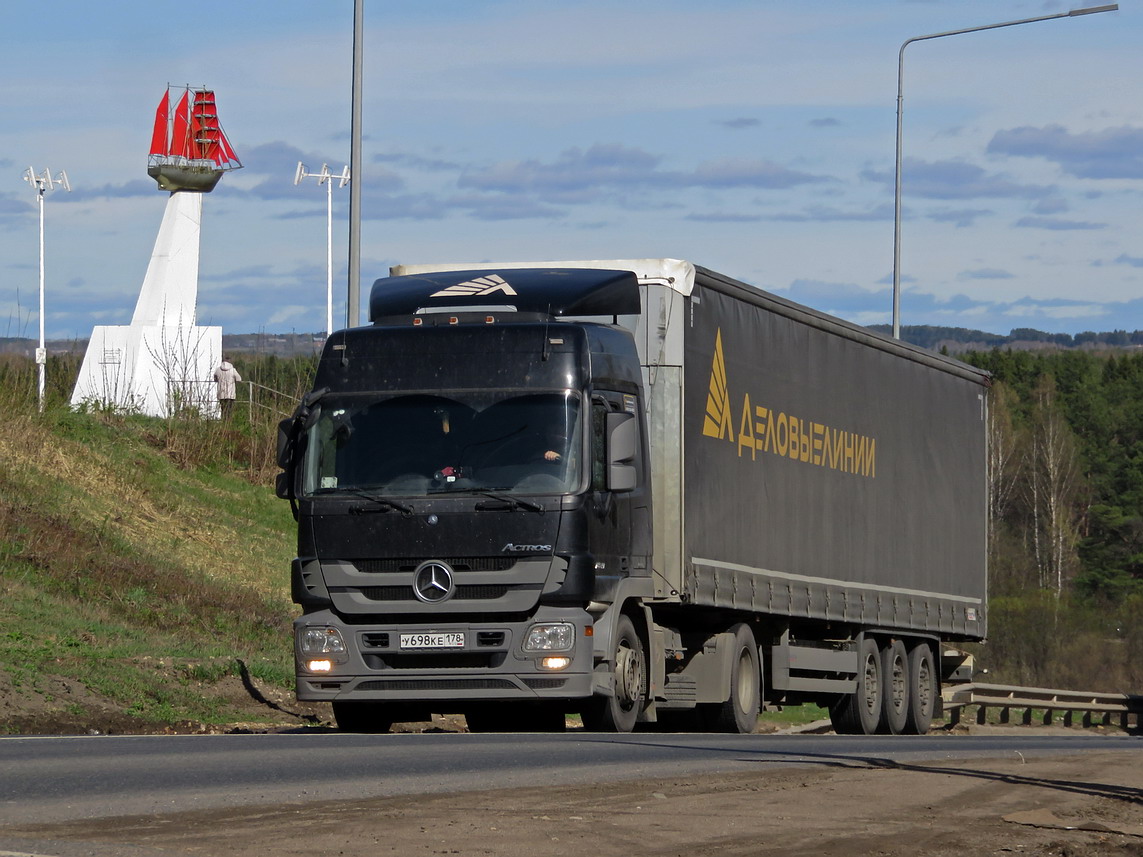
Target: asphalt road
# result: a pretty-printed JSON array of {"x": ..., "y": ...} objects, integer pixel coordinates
[{"x": 60, "y": 779}]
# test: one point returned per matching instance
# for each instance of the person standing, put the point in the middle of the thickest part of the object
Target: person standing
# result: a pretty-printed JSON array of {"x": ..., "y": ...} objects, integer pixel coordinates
[{"x": 227, "y": 378}]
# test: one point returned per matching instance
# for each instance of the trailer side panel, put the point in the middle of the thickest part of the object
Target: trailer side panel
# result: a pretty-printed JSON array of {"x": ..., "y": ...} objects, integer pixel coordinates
[{"x": 827, "y": 478}]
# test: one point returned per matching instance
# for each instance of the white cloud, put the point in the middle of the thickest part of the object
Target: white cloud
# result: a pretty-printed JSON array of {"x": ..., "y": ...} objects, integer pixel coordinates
[{"x": 1112, "y": 153}]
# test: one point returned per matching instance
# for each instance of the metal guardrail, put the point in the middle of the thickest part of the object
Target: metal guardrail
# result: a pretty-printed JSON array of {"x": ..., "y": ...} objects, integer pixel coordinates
[{"x": 1092, "y": 708}]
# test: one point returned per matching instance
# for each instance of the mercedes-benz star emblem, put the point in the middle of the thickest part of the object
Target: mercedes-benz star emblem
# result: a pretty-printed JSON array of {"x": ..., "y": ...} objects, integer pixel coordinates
[{"x": 433, "y": 582}]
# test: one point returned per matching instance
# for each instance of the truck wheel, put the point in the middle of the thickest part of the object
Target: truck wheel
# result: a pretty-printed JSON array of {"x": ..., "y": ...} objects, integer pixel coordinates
[
  {"x": 370, "y": 717},
  {"x": 740, "y": 712},
  {"x": 859, "y": 713},
  {"x": 895, "y": 694},
  {"x": 618, "y": 713},
  {"x": 922, "y": 690}
]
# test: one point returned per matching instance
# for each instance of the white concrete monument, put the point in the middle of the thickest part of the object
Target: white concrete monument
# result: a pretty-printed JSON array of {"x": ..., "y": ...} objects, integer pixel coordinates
[{"x": 163, "y": 362}]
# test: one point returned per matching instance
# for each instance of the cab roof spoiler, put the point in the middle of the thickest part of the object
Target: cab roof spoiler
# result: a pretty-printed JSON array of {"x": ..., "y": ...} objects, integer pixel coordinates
[{"x": 548, "y": 292}]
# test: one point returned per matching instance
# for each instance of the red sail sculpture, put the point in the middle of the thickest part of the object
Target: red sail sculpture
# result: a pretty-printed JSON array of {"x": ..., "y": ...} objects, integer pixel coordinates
[
  {"x": 189, "y": 150},
  {"x": 159, "y": 144}
]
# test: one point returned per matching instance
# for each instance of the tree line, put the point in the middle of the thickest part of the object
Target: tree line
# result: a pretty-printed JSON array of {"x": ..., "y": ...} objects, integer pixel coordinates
[
  {"x": 1066, "y": 472},
  {"x": 963, "y": 338},
  {"x": 1065, "y": 510}
]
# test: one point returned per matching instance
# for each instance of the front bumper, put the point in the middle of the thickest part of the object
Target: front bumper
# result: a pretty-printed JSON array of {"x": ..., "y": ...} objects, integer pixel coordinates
[{"x": 491, "y": 666}]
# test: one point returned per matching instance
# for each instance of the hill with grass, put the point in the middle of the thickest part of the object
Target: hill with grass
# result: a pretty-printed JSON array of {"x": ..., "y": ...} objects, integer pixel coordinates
[{"x": 144, "y": 570}]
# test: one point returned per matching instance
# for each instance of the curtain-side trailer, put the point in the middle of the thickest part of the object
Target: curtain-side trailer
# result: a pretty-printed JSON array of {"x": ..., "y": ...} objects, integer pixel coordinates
[{"x": 636, "y": 490}]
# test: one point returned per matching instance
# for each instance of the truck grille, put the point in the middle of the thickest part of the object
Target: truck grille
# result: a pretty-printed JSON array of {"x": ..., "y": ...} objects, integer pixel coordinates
[
  {"x": 405, "y": 593},
  {"x": 438, "y": 684},
  {"x": 436, "y": 661},
  {"x": 466, "y": 563},
  {"x": 545, "y": 683},
  {"x": 380, "y": 639}
]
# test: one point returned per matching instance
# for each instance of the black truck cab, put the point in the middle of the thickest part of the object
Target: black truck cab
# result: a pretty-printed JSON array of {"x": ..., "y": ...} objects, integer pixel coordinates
[{"x": 472, "y": 492}]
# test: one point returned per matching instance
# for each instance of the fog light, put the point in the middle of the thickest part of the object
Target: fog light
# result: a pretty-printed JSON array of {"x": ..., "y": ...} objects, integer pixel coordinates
[
  {"x": 554, "y": 663},
  {"x": 319, "y": 666}
]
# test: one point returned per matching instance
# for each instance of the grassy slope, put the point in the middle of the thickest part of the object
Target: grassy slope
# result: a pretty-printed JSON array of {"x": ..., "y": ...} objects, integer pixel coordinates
[{"x": 134, "y": 594}]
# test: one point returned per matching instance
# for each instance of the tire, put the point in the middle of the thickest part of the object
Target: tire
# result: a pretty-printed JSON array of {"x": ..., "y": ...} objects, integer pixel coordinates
[
  {"x": 619, "y": 713},
  {"x": 859, "y": 713},
  {"x": 895, "y": 688},
  {"x": 739, "y": 714},
  {"x": 922, "y": 690},
  {"x": 372, "y": 718}
]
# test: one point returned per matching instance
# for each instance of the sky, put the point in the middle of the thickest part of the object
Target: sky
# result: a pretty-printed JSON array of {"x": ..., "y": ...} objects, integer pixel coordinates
[{"x": 753, "y": 137}]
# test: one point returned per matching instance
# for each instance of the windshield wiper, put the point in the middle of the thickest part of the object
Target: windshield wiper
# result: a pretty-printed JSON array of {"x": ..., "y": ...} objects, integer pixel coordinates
[
  {"x": 380, "y": 504},
  {"x": 505, "y": 503}
]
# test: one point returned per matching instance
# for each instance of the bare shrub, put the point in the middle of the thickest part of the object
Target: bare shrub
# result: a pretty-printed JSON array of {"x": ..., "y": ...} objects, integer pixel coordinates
[{"x": 1037, "y": 640}]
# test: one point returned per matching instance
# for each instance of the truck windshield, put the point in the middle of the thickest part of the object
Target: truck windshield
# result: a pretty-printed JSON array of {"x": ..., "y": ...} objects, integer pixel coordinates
[{"x": 418, "y": 444}]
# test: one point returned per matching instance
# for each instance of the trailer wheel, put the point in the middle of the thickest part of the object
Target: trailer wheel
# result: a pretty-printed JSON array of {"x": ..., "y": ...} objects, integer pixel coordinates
[
  {"x": 372, "y": 718},
  {"x": 859, "y": 713},
  {"x": 618, "y": 713},
  {"x": 922, "y": 690},
  {"x": 895, "y": 695},
  {"x": 740, "y": 712}
]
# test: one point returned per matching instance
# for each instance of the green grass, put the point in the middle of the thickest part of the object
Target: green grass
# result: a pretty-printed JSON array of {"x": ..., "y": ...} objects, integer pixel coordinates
[
  {"x": 145, "y": 559},
  {"x": 154, "y": 673},
  {"x": 794, "y": 715}
]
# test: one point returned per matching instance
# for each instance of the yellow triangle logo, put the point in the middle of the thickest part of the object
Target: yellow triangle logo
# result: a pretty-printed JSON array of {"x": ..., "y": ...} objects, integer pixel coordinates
[{"x": 718, "y": 422}]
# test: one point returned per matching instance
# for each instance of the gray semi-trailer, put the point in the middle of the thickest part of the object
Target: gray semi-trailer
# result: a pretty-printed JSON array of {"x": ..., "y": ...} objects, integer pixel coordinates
[{"x": 636, "y": 490}]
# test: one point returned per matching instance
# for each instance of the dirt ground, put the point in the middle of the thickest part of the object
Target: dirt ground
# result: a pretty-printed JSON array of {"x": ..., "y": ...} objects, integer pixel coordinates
[
  {"x": 1089, "y": 805},
  {"x": 64, "y": 706}
]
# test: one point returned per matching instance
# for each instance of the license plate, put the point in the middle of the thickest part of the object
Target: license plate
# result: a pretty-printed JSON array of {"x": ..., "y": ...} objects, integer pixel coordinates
[{"x": 451, "y": 640}]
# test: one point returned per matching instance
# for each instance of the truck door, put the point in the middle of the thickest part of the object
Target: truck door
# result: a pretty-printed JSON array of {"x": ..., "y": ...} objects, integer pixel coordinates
[{"x": 615, "y": 521}]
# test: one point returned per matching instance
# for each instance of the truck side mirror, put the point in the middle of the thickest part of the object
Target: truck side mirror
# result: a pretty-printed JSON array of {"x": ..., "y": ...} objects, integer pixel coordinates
[
  {"x": 285, "y": 448},
  {"x": 284, "y": 481},
  {"x": 284, "y": 485},
  {"x": 622, "y": 446}
]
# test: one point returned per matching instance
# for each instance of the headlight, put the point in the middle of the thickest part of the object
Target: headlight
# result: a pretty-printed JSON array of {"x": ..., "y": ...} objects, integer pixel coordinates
[
  {"x": 550, "y": 637},
  {"x": 320, "y": 641}
]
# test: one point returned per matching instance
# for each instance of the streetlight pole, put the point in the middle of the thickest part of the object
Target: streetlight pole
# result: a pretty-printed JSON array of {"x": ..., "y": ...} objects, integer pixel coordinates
[
  {"x": 1091, "y": 10},
  {"x": 353, "y": 301},
  {"x": 326, "y": 177},
  {"x": 43, "y": 183}
]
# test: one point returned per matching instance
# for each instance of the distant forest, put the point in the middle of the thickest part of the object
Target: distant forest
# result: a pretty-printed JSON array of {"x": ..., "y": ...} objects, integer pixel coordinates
[
  {"x": 1066, "y": 471},
  {"x": 951, "y": 339},
  {"x": 963, "y": 338}
]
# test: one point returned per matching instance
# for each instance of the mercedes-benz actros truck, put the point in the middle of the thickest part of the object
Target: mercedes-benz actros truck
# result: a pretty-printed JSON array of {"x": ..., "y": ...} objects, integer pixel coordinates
[{"x": 638, "y": 491}]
